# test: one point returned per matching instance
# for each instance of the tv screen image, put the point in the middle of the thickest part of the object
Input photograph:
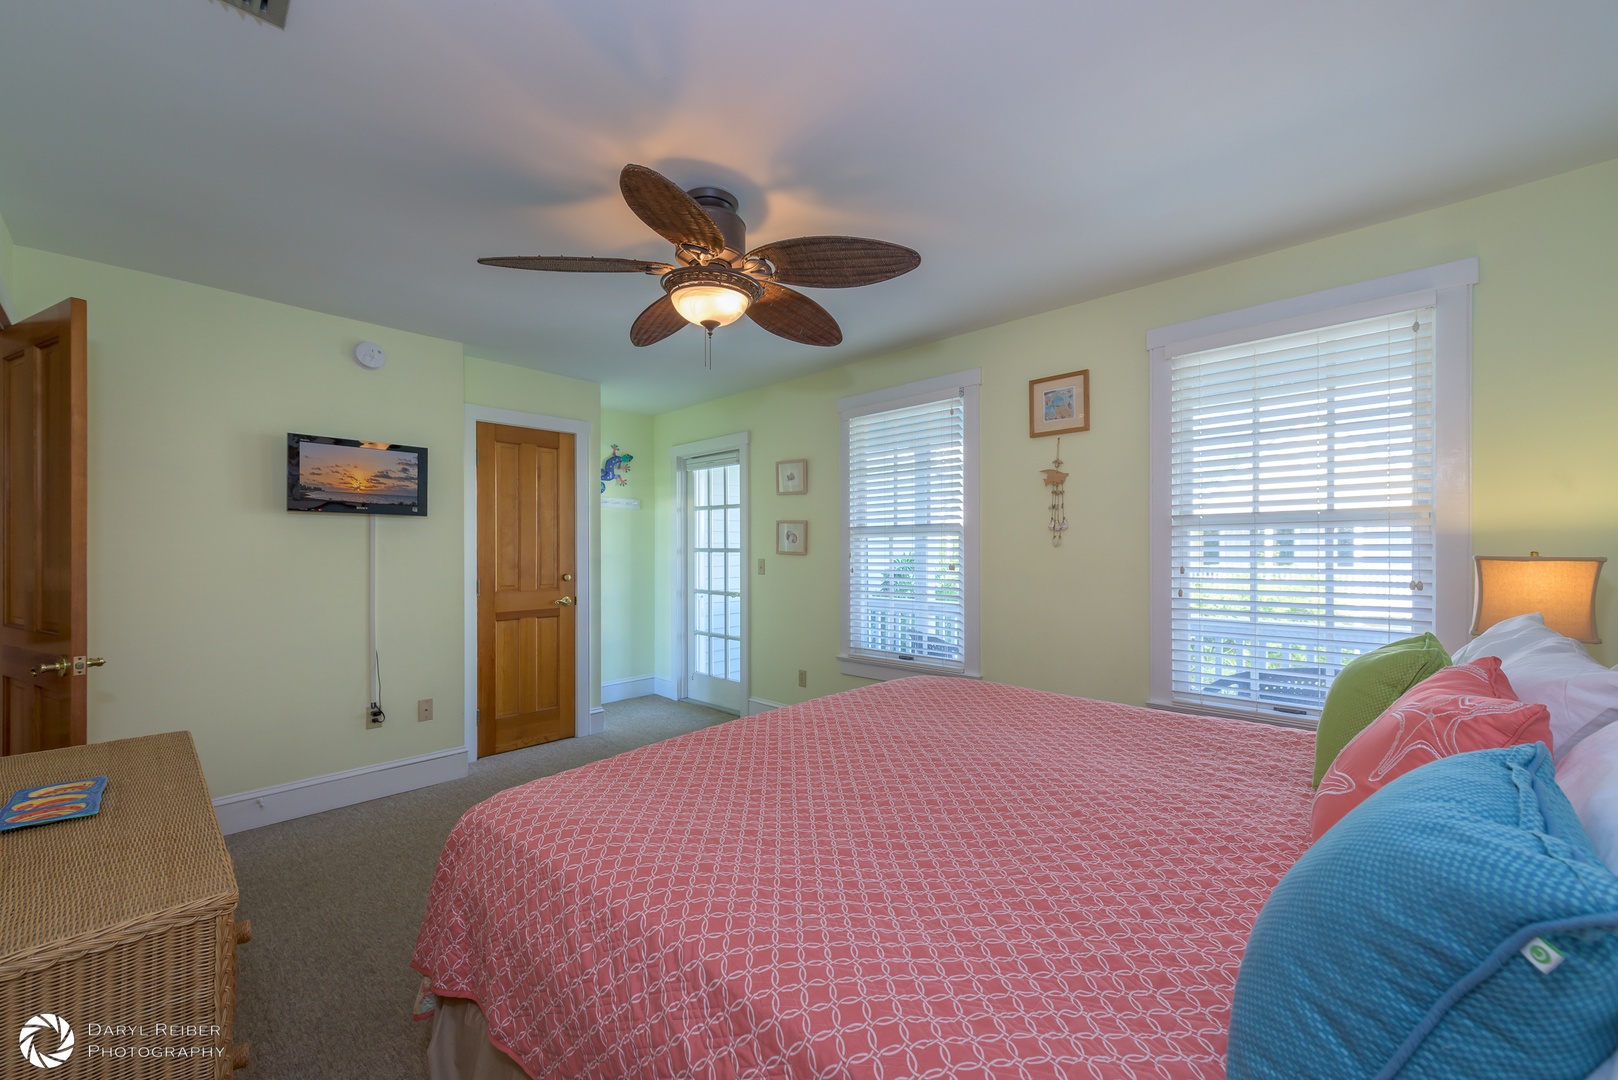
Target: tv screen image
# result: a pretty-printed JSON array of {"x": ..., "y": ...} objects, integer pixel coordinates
[{"x": 346, "y": 476}]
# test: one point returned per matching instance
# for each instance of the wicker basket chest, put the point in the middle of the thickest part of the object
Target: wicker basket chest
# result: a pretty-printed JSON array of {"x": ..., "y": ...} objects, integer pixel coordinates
[{"x": 122, "y": 924}]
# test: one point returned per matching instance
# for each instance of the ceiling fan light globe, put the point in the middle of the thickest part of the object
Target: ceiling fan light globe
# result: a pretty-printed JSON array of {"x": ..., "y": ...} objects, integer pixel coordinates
[{"x": 710, "y": 304}]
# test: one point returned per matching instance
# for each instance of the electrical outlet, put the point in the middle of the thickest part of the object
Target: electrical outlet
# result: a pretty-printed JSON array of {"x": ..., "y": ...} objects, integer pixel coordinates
[
  {"x": 373, "y": 716},
  {"x": 803, "y": 677},
  {"x": 424, "y": 710},
  {"x": 761, "y": 568}
]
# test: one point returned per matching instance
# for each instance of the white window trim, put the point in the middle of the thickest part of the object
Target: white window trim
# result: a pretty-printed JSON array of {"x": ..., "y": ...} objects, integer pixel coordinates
[
  {"x": 1448, "y": 289},
  {"x": 678, "y": 456},
  {"x": 968, "y": 383}
]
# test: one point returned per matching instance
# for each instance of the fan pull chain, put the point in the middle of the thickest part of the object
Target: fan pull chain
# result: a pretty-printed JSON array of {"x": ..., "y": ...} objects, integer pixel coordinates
[{"x": 707, "y": 350}]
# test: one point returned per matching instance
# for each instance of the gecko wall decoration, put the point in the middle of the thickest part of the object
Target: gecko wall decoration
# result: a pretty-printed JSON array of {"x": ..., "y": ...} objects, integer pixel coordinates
[{"x": 615, "y": 467}]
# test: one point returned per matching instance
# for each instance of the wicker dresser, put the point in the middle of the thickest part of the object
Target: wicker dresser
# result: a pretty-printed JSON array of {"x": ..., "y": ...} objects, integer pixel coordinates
[{"x": 121, "y": 924}]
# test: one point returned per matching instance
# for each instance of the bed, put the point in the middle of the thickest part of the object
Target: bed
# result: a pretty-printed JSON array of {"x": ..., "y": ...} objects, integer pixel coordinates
[{"x": 929, "y": 877}]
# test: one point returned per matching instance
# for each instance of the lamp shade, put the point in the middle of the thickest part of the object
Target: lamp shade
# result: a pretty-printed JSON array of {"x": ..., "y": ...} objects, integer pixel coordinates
[
  {"x": 711, "y": 304},
  {"x": 711, "y": 296},
  {"x": 1562, "y": 590}
]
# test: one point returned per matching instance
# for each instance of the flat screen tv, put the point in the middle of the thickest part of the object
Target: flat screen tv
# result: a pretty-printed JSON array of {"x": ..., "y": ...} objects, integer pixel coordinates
[{"x": 346, "y": 476}]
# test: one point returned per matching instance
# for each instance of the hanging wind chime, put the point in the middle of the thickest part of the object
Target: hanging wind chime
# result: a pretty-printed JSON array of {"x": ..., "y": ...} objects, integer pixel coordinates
[{"x": 1054, "y": 479}]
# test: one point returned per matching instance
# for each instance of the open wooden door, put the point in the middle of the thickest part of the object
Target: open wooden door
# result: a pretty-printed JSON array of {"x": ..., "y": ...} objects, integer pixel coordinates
[
  {"x": 43, "y": 534},
  {"x": 527, "y": 587}
]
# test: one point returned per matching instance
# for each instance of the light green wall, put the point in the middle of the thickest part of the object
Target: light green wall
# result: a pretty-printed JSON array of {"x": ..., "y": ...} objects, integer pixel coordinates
[
  {"x": 1075, "y": 619},
  {"x": 221, "y": 613},
  {"x": 217, "y": 610},
  {"x": 626, "y": 552},
  {"x": 508, "y": 386},
  {"x": 8, "y": 296}
]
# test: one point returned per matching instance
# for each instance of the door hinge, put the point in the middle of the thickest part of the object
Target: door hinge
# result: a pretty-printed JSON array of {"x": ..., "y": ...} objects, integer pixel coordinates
[{"x": 477, "y": 586}]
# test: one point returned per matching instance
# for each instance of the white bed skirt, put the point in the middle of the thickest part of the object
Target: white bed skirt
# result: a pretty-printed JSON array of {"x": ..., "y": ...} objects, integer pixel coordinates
[{"x": 460, "y": 1049}]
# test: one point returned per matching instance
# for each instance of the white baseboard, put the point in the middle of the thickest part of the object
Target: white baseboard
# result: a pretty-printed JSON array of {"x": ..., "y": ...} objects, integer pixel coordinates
[
  {"x": 283, "y": 802},
  {"x": 624, "y": 689},
  {"x": 757, "y": 705},
  {"x": 596, "y": 722},
  {"x": 639, "y": 686}
]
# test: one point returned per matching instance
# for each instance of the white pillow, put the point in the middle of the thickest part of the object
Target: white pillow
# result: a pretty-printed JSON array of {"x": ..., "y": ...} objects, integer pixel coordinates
[
  {"x": 1506, "y": 638},
  {"x": 1609, "y": 1071},
  {"x": 1589, "y": 778},
  {"x": 1554, "y": 671}
]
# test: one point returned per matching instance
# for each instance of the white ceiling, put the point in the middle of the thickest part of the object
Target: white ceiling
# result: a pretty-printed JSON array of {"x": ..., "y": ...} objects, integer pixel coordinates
[{"x": 1035, "y": 153}]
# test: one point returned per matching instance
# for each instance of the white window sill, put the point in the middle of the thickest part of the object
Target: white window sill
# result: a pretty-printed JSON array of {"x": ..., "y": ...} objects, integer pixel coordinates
[
  {"x": 866, "y": 667},
  {"x": 1302, "y": 723}
]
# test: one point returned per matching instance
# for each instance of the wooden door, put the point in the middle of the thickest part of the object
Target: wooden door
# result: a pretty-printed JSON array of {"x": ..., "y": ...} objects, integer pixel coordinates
[
  {"x": 43, "y": 536},
  {"x": 526, "y": 587}
]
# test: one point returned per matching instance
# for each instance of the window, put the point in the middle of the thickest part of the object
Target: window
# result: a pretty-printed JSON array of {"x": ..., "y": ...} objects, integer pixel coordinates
[
  {"x": 1309, "y": 490},
  {"x": 910, "y": 529}
]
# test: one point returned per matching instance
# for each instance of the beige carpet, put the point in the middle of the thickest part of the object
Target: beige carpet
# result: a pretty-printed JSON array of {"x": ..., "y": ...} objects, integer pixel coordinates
[{"x": 324, "y": 988}]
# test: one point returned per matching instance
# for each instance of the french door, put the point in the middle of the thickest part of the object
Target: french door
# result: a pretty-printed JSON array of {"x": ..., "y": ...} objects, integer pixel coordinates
[{"x": 714, "y": 579}]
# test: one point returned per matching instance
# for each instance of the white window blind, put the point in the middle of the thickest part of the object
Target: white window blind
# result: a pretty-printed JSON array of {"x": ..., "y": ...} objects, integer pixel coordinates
[
  {"x": 907, "y": 533},
  {"x": 1301, "y": 504}
]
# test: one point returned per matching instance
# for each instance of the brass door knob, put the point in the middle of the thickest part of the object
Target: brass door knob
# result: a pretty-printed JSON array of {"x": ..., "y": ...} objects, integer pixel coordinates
[{"x": 566, "y": 601}]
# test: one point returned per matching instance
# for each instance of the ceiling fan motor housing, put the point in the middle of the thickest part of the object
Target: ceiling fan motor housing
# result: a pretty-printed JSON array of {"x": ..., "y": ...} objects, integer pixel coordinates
[{"x": 721, "y": 206}]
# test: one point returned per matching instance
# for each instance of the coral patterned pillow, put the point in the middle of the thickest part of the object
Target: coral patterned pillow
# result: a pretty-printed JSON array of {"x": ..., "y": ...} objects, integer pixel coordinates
[{"x": 1461, "y": 708}]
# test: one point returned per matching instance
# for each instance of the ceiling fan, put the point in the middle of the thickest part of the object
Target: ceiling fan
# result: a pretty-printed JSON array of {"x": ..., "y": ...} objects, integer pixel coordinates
[{"x": 712, "y": 283}]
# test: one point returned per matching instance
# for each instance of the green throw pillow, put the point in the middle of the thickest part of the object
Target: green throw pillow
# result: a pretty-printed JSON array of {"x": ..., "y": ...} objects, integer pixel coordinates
[{"x": 1366, "y": 687}]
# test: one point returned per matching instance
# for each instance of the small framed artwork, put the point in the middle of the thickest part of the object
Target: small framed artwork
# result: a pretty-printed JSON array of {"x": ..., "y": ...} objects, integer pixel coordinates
[
  {"x": 792, "y": 538},
  {"x": 1059, "y": 404},
  {"x": 791, "y": 477}
]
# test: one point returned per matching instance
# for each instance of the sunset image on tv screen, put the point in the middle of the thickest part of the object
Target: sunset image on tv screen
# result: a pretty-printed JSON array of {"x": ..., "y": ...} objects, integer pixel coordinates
[{"x": 355, "y": 476}]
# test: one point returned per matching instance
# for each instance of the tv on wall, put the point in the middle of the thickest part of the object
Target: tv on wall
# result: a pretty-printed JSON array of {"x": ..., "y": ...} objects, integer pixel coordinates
[{"x": 346, "y": 476}]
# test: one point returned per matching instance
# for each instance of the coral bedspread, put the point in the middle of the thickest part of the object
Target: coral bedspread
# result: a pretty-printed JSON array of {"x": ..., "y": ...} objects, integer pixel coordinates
[{"x": 924, "y": 878}]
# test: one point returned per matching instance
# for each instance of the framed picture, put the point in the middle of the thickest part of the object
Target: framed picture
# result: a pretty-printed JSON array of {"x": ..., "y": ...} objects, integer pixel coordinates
[
  {"x": 791, "y": 477},
  {"x": 792, "y": 538},
  {"x": 1059, "y": 404}
]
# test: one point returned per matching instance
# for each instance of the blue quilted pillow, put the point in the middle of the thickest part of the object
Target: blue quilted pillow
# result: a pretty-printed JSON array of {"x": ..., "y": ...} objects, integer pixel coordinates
[{"x": 1455, "y": 924}]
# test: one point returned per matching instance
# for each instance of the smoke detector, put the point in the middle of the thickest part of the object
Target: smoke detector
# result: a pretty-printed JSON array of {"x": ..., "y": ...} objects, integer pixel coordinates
[
  {"x": 368, "y": 354},
  {"x": 273, "y": 12}
]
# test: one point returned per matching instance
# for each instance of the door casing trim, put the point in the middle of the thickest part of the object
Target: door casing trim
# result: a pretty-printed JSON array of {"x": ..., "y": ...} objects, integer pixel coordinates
[{"x": 584, "y": 723}]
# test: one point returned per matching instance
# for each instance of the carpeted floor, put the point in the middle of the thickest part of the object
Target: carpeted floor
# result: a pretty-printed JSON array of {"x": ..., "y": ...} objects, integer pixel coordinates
[{"x": 324, "y": 989}]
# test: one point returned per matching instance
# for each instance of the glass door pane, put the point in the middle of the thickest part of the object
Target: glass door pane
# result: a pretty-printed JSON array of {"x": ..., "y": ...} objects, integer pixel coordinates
[{"x": 714, "y": 583}]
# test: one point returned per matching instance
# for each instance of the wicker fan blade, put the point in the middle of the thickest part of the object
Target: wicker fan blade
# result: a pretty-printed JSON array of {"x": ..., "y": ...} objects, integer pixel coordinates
[
  {"x": 670, "y": 212},
  {"x": 794, "y": 316},
  {"x": 656, "y": 322},
  {"x": 581, "y": 264},
  {"x": 836, "y": 262}
]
